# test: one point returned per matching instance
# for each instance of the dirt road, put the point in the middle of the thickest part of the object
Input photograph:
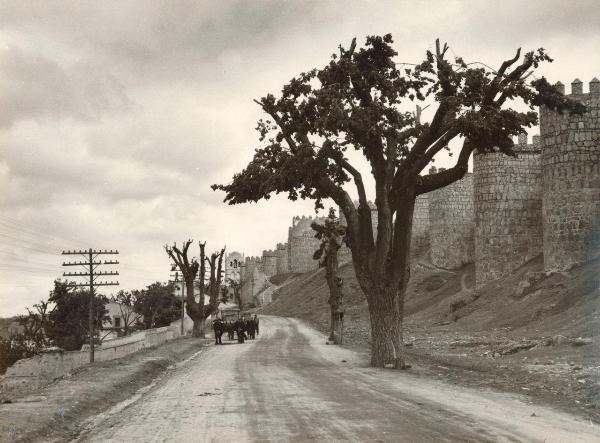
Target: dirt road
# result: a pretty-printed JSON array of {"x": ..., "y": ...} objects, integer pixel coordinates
[{"x": 288, "y": 385}]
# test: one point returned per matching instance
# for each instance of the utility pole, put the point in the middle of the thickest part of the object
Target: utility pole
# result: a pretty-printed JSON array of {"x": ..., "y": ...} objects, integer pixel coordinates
[
  {"x": 182, "y": 294},
  {"x": 90, "y": 265}
]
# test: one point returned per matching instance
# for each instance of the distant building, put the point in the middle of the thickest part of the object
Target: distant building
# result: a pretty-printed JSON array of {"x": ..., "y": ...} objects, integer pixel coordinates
[
  {"x": 232, "y": 266},
  {"x": 180, "y": 291},
  {"x": 119, "y": 317}
]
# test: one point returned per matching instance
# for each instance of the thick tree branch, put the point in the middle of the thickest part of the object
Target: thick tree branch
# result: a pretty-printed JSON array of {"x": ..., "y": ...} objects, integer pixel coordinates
[
  {"x": 431, "y": 152},
  {"x": 432, "y": 182},
  {"x": 494, "y": 87}
]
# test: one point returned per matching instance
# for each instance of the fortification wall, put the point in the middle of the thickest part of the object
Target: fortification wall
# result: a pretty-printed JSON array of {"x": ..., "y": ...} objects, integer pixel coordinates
[
  {"x": 452, "y": 224},
  {"x": 250, "y": 268},
  {"x": 269, "y": 261},
  {"x": 571, "y": 180},
  {"x": 344, "y": 254},
  {"x": 545, "y": 200},
  {"x": 508, "y": 210},
  {"x": 303, "y": 244},
  {"x": 282, "y": 258},
  {"x": 420, "y": 228}
]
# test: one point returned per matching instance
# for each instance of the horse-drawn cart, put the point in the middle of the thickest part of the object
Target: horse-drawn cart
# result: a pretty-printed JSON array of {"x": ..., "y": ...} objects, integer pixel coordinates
[{"x": 228, "y": 320}]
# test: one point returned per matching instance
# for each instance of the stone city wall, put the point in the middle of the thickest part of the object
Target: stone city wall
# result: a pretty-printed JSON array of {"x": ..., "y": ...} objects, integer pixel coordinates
[
  {"x": 303, "y": 244},
  {"x": 452, "y": 224},
  {"x": 508, "y": 210},
  {"x": 420, "y": 227},
  {"x": 511, "y": 209},
  {"x": 571, "y": 180},
  {"x": 282, "y": 258},
  {"x": 269, "y": 260},
  {"x": 253, "y": 279}
]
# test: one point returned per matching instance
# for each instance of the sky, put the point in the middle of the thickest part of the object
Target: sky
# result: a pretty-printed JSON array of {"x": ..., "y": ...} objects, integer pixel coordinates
[{"x": 117, "y": 116}]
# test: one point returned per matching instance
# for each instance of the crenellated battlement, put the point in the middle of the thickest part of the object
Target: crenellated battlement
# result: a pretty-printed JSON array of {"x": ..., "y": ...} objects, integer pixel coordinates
[
  {"x": 494, "y": 216},
  {"x": 251, "y": 260},
  {"x": 302, "y": 224},
  {"x": 523, "y": 146},
  {"x": 570, "y": 164},
  {"x": 577, "y": 87}
]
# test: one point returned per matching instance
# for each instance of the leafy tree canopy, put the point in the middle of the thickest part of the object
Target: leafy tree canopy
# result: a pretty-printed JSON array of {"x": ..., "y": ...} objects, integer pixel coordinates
[
  {"x": 69, "y": 320},
  {"x": 355, "y": 103}
]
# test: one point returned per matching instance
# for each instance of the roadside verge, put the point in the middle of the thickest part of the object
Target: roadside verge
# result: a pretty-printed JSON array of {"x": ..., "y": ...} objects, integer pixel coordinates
[{"x": 57, "y": 411}]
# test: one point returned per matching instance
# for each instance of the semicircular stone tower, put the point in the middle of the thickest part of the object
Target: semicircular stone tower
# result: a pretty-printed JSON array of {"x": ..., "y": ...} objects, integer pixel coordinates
[
  {"x": 508, "y": 210},
  {"x": 571, "y": 180}
]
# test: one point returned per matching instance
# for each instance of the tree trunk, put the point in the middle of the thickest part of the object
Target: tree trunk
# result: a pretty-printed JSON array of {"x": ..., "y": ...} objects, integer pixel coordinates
[
  {"x": 331, "y": 275},
  {"x": 332, "y": 336},
  {"x": 198, "y": 329},
  {"x": 385, "y": 313}
]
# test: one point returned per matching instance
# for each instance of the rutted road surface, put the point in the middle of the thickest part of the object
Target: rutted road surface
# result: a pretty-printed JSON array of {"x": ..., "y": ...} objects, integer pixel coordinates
[{"x": 289, "y": 386}]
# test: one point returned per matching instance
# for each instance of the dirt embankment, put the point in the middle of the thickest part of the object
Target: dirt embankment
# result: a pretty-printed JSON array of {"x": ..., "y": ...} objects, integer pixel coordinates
[
  {"x": 531, "y": 332},
  {"x": 55, "y": 412}
]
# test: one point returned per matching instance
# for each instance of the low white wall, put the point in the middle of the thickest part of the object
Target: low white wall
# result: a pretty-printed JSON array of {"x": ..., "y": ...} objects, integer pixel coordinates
[{"x": 43, "y": 368}]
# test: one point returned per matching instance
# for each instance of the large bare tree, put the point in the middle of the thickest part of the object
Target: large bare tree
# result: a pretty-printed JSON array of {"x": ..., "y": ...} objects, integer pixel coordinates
[
  {"x": 361, "y": 101},
  {"x": 192, "y": 269}
]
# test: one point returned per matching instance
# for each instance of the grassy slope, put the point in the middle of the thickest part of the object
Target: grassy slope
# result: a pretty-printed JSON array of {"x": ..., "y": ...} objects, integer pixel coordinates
[
  {"x": 565, "y": 303},
  {"x": 452, "y": 326}
]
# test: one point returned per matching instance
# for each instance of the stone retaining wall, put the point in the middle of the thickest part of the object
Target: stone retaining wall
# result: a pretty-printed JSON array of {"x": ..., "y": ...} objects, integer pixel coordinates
[{"x": 41, "y": 369}]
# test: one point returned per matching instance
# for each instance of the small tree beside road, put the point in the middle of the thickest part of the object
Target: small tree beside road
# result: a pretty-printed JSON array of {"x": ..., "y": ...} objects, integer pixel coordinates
[
  {"x": 67, "y": 325},
  {"x": 331, "y": 234},
  {"x": 157, "y": 305}
]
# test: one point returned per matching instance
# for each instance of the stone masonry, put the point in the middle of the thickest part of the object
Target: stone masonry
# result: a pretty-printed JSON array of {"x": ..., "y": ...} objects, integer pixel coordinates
[
  {"x": 420, "y": 227},
  {"x": 508, "y": 210},
  {"x": 571, "y": 180},
  {"x": 282, "y": 258},
  {"x": 452, "y": 224},
  {"x": 303, "y": 244},
  {"x": 232, "y": 264},
  {"x": 344, "y": 253},
  {"x": 253, "y": 280},
  {"x": 269, "y": 261}
]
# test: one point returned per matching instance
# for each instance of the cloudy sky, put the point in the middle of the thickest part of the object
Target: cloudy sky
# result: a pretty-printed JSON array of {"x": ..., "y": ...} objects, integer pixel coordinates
[{"x": 118, "y": 115}]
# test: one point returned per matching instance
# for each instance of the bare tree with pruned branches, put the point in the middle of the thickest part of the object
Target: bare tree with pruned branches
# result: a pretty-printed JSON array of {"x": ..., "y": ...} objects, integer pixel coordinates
[{"x": 191, "y": 268}]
